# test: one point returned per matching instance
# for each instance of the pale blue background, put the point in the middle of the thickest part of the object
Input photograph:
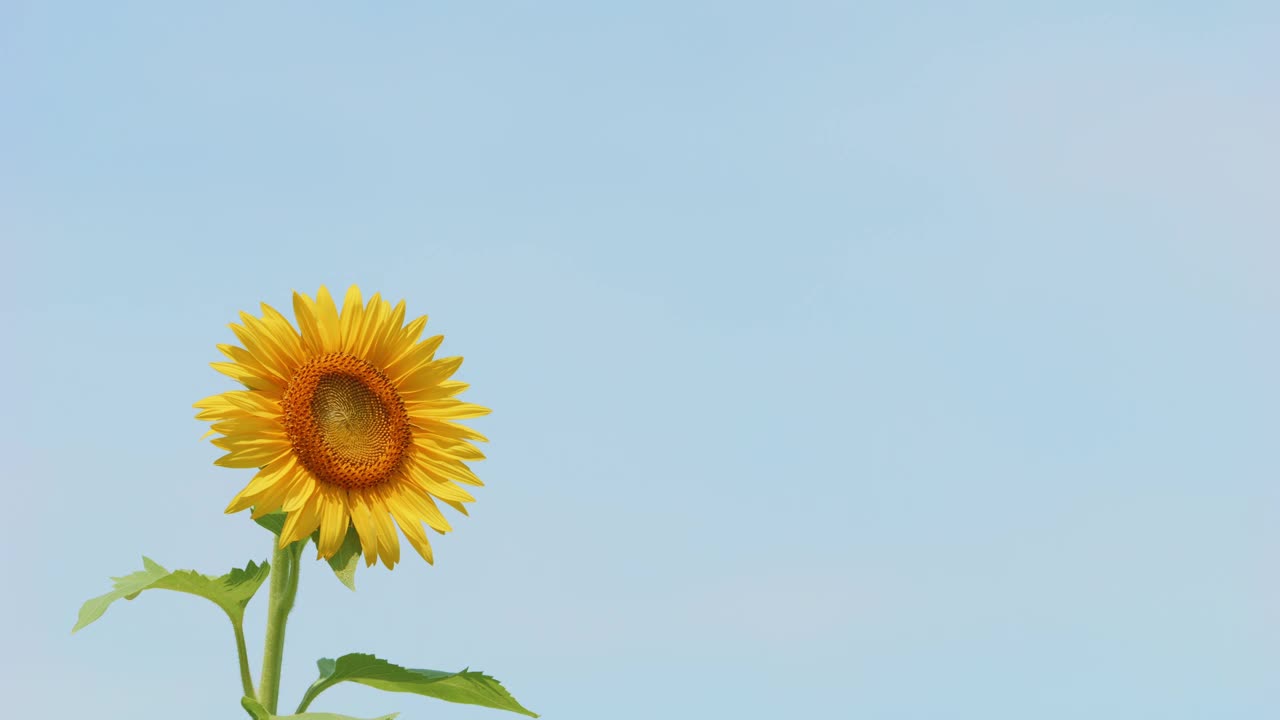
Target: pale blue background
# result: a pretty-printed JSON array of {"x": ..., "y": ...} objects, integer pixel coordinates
[{"x": 849, "y": 360}]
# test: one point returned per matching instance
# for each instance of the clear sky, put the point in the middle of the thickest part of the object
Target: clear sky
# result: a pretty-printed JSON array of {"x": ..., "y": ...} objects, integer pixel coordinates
[{"x": 848, "y": 360}]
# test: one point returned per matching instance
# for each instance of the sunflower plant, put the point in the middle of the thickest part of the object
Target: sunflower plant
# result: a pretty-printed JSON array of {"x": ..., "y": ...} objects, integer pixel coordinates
[{"x": 350, "y": 422}]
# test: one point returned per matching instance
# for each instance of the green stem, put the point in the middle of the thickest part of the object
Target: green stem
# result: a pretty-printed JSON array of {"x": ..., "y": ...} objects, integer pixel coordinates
[
  {"x": 284, "y": 587},
  {"x": 306, "y": 701},
  {"x": 246, "y": 679}
]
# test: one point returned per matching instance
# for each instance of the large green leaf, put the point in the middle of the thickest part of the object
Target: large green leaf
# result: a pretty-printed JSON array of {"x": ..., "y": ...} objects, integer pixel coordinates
[
  {"x": 231, "y": 592},
  {"x": 260, "y": 713},
  {"x": 343, "y": 563},
  {"x": 472, "y": 688}
]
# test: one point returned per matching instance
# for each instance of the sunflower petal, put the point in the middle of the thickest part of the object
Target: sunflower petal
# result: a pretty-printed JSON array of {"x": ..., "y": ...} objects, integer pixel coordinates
[
  {"x": 412, "y": 529},
  {"x": 362, "y": 518},
  {"x": 239, "y": 442},
  {"x": 352, "y": 318},
  {"x": 438, "y": 486},
  {"x": 272, "y": 499},
  {"x": 303, "y": 521},
  {"x": 243, "y": 357},
  {"x": 446, "y": 468},
  {"x": 402, "y": 339},
  {"x": 252, "y": 457},
  {"x": 284, "y": 333},
  {"x": 417, "y": 503},
  {"x": 266, "y": 477},
  {"x": 302, "y": 491},
  {"x": 249, "y": 424},
  {"x": 305, "y": 310},
  {"x": 456, "y": 506},
  {"x": 334, "y": 517},
  {"x": 276, "y": 345},
  {"x": 446, "y": 389},
  {"x": 384, "y": 336},
  {"x": 388, "y": 539},
  {"x": 327, "y": 320},
  {"x": 444, "y": 427},
  {"x": 252, "y": 402},
  {"x": 414, "y": 358},
  {"x": 429, "y": 376},
  {"x": 447, "y": 448},
  {"x": 370, "y": 327}
]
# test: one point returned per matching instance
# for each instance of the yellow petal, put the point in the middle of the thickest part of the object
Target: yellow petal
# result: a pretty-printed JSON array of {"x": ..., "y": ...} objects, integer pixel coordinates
[
  {"x": 438, "y": 486},
  {"x": 445, "y": 468},
  {"x": 388, "y": 539},
  {"x": 252, "y": 457},
  {"x": 214, "y": 402},
  {"x": 334, "y": 516},
  {"x": 250, "y": 424},
  {"x": 402, "y": 339},
  {"x": 450, "y": 409},
  {"x": 447, "y": 448},
  {"x": 284, "y": 333},
  {"x": 245, "y": 376},
  {"x": 252, "y": 402},
  {"x": 305, "y": 311},
  {"x": 245, "y": 441},
  {"x": 352, "y": 318},
  {"x": 456, "y": 506},
  {"x": 384, "y": 336},
  {"x": 428, "y": 376},
  {"x": 414, "y": 358},
  {"x": 302, "y": 490},
  {"x": 301, "y": 522},
  {"x": 416, "y": 503},
  {"x": 276, "y": 346},
  {"x": 443, "y": 427},
  {"x": 446, "y": 389},
  {"x": 267, "y": 477},
  {"x": 221, "y": 413},
  {"x": 412, "y": 530},
  {"x": 257, "y": 340},
  {"x": 362, "y": 518},
  {"x": 251, "y": 443},
  {"x": 243, "y": 357},
  {"x": 370, "y": 328},
  {"x": 271, "y": 499},
  {"x": 327, "y": 320}
]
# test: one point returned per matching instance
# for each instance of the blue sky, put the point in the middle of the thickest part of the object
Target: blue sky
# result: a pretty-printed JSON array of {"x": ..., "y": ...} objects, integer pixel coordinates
[{"x": 848, "y": 360}]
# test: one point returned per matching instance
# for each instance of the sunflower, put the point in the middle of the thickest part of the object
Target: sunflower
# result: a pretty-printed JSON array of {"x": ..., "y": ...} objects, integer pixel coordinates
[{"x": 349, "y": 422}]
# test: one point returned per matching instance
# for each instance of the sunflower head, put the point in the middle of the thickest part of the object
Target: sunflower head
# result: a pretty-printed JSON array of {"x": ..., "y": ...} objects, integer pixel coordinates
[{"x": 350, "y": 421}]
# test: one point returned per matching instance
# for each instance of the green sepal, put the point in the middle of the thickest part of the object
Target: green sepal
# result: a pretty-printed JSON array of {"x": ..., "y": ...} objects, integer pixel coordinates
[
  {"x": 343, "y": 563},
  {"x": 347, "y": 559},
  {"x": 273, "y": 522},
  {"x": 257, "y": 712},
  {"x": 468, "y": 687},
  {"x": 231, "y": 592}
]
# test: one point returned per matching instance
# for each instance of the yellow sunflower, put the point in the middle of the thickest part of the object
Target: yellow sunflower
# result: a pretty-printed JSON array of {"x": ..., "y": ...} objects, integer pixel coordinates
[{"x": 349, "y": 421}]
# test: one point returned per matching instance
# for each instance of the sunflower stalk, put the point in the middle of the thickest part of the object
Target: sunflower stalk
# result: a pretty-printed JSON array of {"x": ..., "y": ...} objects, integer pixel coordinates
[{"x": 284, "y": 590}]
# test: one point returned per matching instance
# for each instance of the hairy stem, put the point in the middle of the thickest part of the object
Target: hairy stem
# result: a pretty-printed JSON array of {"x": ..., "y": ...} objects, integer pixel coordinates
[
  {"x": 284, "y": 588},
  {"x": 246, "y": 678}
]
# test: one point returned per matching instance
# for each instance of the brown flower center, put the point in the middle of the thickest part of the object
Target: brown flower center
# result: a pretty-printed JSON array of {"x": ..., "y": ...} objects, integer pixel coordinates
[{"x": 346, "y": 421}]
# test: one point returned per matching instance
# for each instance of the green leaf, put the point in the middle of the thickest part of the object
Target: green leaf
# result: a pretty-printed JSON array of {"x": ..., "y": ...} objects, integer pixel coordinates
[
  {"x": 260, "y": 713},
  {"x": 343, "y": 563},
  {"x": 347, "y": 559},
  {"x": 472, "y": 688},
  {"x": 273, "y": 522},
  {"x": 231, "y": 592}
]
